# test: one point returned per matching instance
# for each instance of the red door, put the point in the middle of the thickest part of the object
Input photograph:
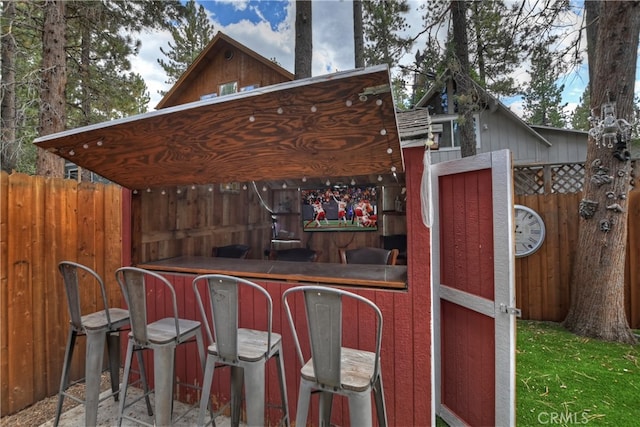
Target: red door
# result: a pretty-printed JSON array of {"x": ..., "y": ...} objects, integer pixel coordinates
[{"x": 474, "y": 291}]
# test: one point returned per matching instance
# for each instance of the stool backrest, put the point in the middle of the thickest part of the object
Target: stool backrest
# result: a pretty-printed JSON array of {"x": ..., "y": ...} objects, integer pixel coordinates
[
  {"x": 223, "y": 299},
  {"x": 231, "y": 251},
  {"x": 134, "y": 282},
  {"x": 296, "y": 254},
  {"x": 73, "y": 274},
  {"x": 368, "y": 255},
  {"x": 324, "y": 316}
]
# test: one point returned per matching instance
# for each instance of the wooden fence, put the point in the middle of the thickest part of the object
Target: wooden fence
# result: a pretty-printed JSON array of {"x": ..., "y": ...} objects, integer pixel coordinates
[
  {"x": 542, "y": 279},
  {"x": 44, "y": 221}
]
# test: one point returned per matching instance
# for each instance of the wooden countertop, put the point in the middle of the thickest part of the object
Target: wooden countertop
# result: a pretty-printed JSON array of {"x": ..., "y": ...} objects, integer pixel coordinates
[{"x": 375, "y": 276}]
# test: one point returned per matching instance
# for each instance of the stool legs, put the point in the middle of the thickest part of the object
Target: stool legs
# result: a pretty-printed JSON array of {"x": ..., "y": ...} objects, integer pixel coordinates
[
  {"x": 64, "y": 380},
  {"x": 283, "y": 387},
  {"x": 237, "y": 379},
  {"x": 304, "y": 396},
  {"x": 93, "y": 371},
  {"x": 163, "y": 358},
  {"x": 207, "y": 379},
  {"x": 254, "y": 390},
  {"x": 324, "y": 408},
  {"x": 125, "y": 381},
  {"x": 360, "y": 409},
  {"x": 113, "y": 349},
  {"x": 378, "y": 395}
]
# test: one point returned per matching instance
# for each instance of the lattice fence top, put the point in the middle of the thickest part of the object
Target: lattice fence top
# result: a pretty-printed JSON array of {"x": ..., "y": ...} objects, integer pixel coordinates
[{"x": 550, "y": 178}]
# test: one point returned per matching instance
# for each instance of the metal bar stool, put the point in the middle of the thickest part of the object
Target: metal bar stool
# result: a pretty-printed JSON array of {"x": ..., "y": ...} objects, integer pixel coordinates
[
  {"x": 246, "y": 351},
  {"x": 162, "y": 336},
  {"x": 107, "y": 323},
  {"x": 334, "y": 369}
]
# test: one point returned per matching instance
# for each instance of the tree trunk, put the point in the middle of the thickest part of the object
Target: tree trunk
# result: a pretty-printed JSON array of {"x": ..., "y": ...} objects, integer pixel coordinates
[
  {"x": 304, "y": 41},
  {"x": 592, "y": 11},
  {"x": 9, "y": 150},
  {"x": 461, "y": 75},
  {"x": 597, "y": 286},
  {"x": 358, "y": 34},
  {"x": 52, "y": 88}
]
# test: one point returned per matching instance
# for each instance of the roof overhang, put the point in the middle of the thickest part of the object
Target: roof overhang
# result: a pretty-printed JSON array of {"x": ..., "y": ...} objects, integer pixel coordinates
[{"x": 341, "y": 124}]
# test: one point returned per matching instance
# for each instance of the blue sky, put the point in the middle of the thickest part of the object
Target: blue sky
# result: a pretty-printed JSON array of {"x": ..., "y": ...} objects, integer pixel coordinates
[
  {"x": 231, "y": 12},
  {"x": 267, "y": 27}
]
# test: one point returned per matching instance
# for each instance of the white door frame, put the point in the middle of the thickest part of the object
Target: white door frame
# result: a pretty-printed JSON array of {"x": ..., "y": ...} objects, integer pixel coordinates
[{"x": 502, "y": 309}]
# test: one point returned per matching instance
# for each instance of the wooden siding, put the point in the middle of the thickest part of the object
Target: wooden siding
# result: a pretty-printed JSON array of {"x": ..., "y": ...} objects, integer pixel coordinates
[
  {"x": 566, "y": 145},
  {"x": 240, "y": 68},
  {"x": 499, "y": 131},
  {"x": 406, "y": 358},
  {"x": 45, "y": 221},
  {"x": 170, "y": 224},
  {"x": 223, "y": 61}
]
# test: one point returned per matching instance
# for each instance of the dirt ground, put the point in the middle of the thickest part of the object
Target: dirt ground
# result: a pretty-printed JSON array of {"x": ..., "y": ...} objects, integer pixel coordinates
[{"x": 45, "y": 410}]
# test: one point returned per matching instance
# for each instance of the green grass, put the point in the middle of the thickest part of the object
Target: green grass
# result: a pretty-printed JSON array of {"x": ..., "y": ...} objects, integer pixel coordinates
[{"x": 563, "y": 379}]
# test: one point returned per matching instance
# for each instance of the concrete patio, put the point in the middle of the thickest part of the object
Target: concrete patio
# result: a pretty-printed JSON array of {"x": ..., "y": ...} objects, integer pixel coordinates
[{"x": 184, "y": 415}]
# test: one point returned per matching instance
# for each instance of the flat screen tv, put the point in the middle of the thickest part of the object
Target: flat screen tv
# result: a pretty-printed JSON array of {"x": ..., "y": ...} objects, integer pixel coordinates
[{"x": 340, "y": 208}]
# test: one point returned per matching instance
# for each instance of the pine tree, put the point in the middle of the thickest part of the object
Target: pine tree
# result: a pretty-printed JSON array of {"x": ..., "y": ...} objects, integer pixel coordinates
[
  {"x": 96, "y": 61},
  {"x": 383, "y": 21},
  {"x": 190, "y": 35},
  {"x": 101, "y": 86},
  {"x": 580, "y": 116},
  {"x": 543, "y": 97},
  {"x": 52, "y": 86}
]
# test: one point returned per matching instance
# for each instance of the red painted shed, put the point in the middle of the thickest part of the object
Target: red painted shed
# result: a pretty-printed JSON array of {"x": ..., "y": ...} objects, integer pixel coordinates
[{"x": 448, "y": 335}]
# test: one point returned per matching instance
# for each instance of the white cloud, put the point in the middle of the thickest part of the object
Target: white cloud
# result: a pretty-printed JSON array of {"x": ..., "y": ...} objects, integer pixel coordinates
[
  {"x": 332, "y": 46},
  {"x": 146, "y": 64}
]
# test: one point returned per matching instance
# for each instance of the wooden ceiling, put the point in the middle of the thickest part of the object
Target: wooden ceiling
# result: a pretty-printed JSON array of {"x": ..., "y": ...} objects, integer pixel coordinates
[{"x": 338, "y": 125}]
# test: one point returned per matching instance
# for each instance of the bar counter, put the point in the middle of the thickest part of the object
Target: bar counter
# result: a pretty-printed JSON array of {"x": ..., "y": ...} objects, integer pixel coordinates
[{"x": 370, "y": 276}]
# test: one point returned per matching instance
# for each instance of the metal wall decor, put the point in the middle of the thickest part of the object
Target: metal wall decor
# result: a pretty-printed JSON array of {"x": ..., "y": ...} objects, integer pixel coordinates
[
  {"x": 615, "y": 207},
  {"x": 601, "y": 177},
  {"x": 611, "y": 132},
  {"x": 587, "y": 208}
]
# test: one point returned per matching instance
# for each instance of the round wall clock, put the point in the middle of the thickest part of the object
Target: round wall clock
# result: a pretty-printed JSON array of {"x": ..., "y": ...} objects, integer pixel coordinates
[{"x": 530, "y": 231}]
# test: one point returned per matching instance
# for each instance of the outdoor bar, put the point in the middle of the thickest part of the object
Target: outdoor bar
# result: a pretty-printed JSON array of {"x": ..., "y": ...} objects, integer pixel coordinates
[{"x": 183, "y": 170}]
